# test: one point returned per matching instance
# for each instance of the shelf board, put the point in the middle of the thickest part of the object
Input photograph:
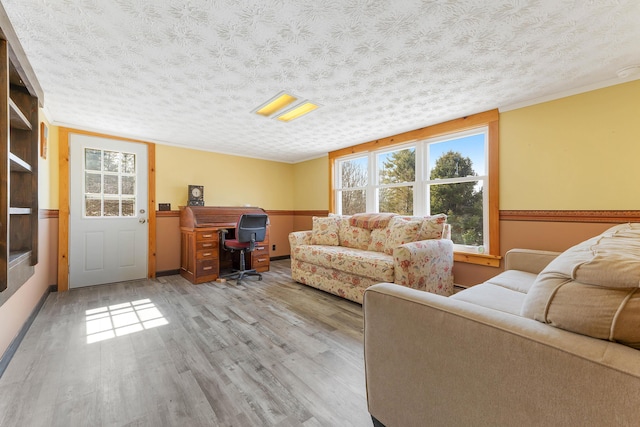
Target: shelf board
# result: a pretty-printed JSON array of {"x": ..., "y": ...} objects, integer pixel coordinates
[
  {"x": 18, "y": 119},
  {"x": 19, "y": 211},
  {"x": 16, "y": 257},
  {"x": 18, "y": 165}
]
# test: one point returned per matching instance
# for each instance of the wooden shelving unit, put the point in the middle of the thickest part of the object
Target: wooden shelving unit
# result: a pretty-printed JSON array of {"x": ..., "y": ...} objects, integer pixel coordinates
[{"x": 19, "y": 143}]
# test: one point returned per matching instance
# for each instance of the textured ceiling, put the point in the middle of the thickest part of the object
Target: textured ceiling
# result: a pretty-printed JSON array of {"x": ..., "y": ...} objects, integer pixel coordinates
[{"x": 189, "y": 73}]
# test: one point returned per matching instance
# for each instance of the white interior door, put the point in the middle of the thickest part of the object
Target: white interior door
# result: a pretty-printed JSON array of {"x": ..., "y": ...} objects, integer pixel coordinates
[{"x": 108, "y": 229}]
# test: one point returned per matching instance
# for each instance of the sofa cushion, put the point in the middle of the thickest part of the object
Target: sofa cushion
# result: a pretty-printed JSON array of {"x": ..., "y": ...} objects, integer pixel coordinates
[
  {"x": 401, "y": 231},
  {"x": 375, "y": 265},
  {"x": 592, "y": 288},
  {"x": 371, "y": 221},
  {"x": 432, "y": 227},
  {"x": 325, "y": 231},
  {"x": 353, "y": 237},
  {"x": 493, "y": 296},
  {"x": 379, "y": 238},
  {"x": 516, "y": 280},
  {"x": 315, "y": 254}
]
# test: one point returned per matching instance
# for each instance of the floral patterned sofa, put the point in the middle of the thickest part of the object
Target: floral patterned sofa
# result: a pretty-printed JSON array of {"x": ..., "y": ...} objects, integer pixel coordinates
[{"x": 344, "y": 255}]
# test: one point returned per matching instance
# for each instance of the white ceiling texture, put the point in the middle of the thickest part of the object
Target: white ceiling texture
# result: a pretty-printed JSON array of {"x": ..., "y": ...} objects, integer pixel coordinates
[{"x": 189, "y": 73}]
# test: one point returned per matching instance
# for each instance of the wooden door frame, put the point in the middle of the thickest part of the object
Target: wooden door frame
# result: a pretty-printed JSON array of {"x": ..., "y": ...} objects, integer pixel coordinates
[{"x": 63, "y": 195}]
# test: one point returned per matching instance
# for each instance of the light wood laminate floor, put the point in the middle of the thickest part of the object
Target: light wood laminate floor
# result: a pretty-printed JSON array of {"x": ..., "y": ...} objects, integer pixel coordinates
[{"x": 168, "y": 353}]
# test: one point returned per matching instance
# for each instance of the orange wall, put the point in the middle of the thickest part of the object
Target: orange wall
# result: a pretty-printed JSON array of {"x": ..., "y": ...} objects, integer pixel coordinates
[{"x": 167, "y": 241}]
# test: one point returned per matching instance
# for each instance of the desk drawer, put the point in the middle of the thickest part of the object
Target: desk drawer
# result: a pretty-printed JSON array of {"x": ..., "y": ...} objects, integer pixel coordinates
[
  {"x": 261, "y": 249},
  {"x": 206, "y": 235},
  {"x": 260, "y": 262},
  {"x": 207, "y": 245},
  {"x": 208, "y": 253},
  {"x": 206, "y": 267}
]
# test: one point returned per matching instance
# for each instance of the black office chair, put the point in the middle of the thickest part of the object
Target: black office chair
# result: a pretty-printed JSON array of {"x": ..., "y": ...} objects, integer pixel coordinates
[{"x": 251, "y": 228}]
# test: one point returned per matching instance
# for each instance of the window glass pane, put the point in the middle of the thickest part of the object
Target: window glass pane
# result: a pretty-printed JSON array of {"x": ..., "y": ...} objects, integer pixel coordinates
[
  {"x": 92, "y": 183},
  {"x": 111, "y": 184},
  {"x": 353, "y": 173},
  {"x": 462, "y": 202},
  {"x": 92, "y": 207},
  {"x": 92, "y": 159},
  {"x": 128, "y": 207},
  {"x": 396, "y": 200},
  {"x": 397, "y": 166},
  {"x": 112, "y": 161},
  {"x": 457, "y": 157},
  {"x": 353, "y": 201},
  {"x": 128, "y": 185},
  {"x": 112, "y": 207},
  {"x": 128, "y": 163}
]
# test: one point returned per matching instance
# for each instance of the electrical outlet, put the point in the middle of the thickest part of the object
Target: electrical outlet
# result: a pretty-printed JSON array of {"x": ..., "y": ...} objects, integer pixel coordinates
[{"x": 273, "y": 247}]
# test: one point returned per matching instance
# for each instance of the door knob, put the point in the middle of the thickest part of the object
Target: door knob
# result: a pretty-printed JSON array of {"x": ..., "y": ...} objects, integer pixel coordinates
[{"x": 142, "y": 220}]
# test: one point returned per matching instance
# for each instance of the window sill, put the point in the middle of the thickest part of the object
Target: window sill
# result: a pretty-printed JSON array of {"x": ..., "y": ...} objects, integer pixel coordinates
[{"x": 480, "y": 259}]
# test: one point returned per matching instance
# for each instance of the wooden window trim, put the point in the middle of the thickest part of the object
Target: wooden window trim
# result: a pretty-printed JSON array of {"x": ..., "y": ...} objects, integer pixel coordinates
[{"x": 491, "y": 119}]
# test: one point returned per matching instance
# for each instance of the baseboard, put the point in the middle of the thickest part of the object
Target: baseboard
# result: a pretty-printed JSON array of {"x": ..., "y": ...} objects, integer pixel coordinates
[
  {"x": 277, "y": 258},
  {"x": 13, "y": 347},
  {"x": 167, "y": 273}
]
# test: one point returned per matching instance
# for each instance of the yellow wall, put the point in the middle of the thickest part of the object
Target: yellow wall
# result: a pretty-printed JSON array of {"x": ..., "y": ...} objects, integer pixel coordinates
[
  {"x": 311, "y": 184},
  {"x": 48, "y": 171},
  {"x": 575, "y": 153},
  {"x": 228, "y": 180}
]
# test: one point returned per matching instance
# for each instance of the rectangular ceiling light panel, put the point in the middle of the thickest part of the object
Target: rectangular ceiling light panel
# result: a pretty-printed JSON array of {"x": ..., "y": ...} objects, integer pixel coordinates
[
  {"x": 276, "y": 104},
  {"x": 298, "y": 111}
]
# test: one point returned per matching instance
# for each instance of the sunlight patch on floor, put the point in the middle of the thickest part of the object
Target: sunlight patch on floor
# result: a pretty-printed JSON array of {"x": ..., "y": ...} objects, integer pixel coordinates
[{"x": 122, "y": 319}]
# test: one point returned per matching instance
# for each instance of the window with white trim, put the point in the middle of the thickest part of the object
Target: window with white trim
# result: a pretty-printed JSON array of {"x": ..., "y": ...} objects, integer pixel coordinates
[{"x": 446, "y": 174}]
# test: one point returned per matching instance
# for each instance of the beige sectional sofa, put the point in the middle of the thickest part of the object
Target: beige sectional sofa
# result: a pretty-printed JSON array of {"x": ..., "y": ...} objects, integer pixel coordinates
[
  {"x": 551, "y": 341},
  {"x": 344, "y": 255}
]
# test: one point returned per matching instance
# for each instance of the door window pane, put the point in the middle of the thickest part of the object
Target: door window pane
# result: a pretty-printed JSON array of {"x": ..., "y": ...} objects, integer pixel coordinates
[
  {"x": 111, "y": 184},
  {"x": 112, "y": 161},
  {"x": 92, "y": 182},
  {"x": 93, "y": 159},
  {"x": 110, "y": 174},
  {"x": 93, "y": 207},
  {"x": 128, "y": 207},
  {"x": 111, "y": 207},
  {"x": 128, "y": 185},
  {"x": 128, "y": 163}
]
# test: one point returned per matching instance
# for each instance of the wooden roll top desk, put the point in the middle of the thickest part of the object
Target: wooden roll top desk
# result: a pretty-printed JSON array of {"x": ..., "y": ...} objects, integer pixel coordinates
[{"x": 201, "y": 256}]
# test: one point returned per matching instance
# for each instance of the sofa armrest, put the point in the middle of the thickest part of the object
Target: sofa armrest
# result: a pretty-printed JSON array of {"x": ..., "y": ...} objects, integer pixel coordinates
[
  {"x": 425, "y": 265},
  {"x": 428, "y": 357},
  {"x": 529, "y": 260},
  {"x": 299, "y": 238}
]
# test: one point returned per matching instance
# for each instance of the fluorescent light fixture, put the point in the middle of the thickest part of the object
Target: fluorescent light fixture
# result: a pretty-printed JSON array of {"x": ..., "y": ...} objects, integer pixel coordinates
[
  {"x": 296, "y": 112},
  {"x": 277, "y": 103},
  {"x": 285, "y": 107}
]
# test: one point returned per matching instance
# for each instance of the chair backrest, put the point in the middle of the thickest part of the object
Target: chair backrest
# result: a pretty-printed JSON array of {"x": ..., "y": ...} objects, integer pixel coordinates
[{"x": 251, "y": 224}]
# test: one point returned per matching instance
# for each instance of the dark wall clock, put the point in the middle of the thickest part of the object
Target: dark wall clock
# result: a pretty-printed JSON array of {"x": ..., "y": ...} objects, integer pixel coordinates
[{"x": 196, "y": 195}]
